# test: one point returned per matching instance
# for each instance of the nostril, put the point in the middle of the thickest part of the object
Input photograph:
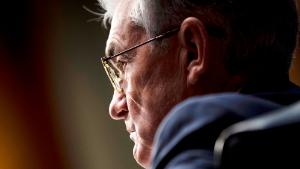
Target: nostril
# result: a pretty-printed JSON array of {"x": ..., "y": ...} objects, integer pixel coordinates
[
  {"x": 123, "y": 114},
  {"x": 119, "y": 115},
  {"x": 118, "y": 109}
]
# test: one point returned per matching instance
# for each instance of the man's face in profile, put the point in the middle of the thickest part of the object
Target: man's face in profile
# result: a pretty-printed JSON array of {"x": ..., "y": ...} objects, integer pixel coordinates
[{"x": 152, "y": 82}]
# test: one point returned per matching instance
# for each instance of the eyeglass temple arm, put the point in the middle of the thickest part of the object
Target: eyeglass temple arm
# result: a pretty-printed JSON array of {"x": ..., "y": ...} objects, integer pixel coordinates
[{"x": 105, "y": 58}]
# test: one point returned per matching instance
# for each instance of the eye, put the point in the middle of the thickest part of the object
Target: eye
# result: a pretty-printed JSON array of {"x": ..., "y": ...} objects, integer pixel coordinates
[{"x": 121, "y": 63}]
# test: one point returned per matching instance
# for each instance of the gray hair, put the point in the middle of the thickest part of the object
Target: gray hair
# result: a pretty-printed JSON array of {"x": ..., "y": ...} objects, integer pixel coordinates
[
  {"x": 156, "y": 16},
  {"x": 110, "y": 5},
  {"x": 256, "y": 33}
]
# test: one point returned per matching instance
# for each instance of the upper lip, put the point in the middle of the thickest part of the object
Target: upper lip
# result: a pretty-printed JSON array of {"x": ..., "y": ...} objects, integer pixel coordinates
[
  {"x": 129, "y": 126},
  {"x": 130, "y": 130}
]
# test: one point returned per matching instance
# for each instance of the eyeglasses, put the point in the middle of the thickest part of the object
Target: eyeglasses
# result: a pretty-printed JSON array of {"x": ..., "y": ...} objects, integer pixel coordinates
[{"x": 115, "y": 72}]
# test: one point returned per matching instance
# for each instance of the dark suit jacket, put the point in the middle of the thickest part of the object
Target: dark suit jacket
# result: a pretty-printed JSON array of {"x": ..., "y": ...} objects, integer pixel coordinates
[{"x": 186, "y": 137}]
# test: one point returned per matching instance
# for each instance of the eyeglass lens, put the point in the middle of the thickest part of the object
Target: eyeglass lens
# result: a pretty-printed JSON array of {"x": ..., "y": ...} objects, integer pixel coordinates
[{"x": 113, "y": 73}]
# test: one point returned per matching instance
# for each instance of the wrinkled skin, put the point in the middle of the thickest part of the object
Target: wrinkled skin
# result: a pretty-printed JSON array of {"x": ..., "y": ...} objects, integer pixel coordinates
[
  {"x": 156, "y": 79},
  {"x": 152, "y": 85}
]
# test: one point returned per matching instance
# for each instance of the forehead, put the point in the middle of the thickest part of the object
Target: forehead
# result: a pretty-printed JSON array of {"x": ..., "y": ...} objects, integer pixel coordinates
[
  {"x": 121, "y": 15},
  {"x": 123, "y": 30}
]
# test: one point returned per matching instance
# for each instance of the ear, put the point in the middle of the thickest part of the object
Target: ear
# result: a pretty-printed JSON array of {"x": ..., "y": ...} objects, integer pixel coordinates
[{"x": 193, "y": 38}]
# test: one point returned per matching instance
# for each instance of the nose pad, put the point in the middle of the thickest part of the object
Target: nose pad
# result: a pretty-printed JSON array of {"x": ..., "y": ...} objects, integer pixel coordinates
[{"x": 118, "y": 109}]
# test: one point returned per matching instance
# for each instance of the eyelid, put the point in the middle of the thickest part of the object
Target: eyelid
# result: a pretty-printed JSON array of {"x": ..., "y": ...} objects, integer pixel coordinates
[
  {"x": 120, "y": 59},
  {"x": 123, "y": 58},
  {"x": 113, "y": 50},
  {"x": 126, "y": 56}
]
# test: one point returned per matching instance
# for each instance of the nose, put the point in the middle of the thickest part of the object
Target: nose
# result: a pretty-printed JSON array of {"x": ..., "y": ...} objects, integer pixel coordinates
[{"x": 118, "y": 109}]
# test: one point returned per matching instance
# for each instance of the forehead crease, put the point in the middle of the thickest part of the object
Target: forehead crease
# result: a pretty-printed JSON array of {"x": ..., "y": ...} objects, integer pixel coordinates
[
  {"x": 125, "y": 34},
  {"x": 122, "y": 11},
  {"x": 119, "y": 22},
  {"x": 124, "y": 31}
]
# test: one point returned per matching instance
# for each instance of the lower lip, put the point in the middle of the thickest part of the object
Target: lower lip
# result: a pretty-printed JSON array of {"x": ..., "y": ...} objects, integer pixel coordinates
[{"x": 133, "y": 136}]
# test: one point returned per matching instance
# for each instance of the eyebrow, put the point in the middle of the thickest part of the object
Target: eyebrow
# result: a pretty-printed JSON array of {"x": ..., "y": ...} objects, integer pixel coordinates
[{"x": 110, "y": 50}]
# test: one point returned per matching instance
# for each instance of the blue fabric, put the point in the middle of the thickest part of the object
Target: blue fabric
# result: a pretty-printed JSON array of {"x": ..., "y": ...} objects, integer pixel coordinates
[
  {"x": 192, "y": 159},
  {"x": 186, "y": 137}
]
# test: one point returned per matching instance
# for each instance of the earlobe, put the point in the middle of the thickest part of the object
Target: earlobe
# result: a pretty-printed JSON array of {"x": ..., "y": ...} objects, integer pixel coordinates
[
  {"x": 195, "y": 70},
  {"x": 193, "y": 38}
]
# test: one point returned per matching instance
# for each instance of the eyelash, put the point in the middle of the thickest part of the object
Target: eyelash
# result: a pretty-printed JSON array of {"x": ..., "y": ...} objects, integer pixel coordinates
[{"x": 122, "y": 62}]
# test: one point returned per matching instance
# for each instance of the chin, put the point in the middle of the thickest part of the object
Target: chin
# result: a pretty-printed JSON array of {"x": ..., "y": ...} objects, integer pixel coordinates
[{"x": 142, "y": 155}]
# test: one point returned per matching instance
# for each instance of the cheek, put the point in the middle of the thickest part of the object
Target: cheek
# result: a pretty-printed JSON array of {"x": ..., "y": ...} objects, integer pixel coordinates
[
  {"x": 166, "y": 88},
  {"x": 151, "y": 92},
  {"x": 157, "y": 94},
  {"x": 156, "y": 88},
  {"x": 141, "y": 94}
]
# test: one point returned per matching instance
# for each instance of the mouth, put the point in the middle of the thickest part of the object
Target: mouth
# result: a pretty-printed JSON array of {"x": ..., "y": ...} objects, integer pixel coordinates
[
  {"x": 133, "y": 136},
  {"x": 131, "y": 130}
]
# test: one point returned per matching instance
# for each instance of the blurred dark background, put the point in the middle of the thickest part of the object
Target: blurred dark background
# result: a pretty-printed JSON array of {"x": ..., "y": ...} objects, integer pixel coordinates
[{"x": 54, "y": 96}]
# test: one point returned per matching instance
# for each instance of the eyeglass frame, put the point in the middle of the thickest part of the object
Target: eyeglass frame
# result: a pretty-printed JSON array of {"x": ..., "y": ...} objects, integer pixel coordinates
[{"x": 105, "y": 59}]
